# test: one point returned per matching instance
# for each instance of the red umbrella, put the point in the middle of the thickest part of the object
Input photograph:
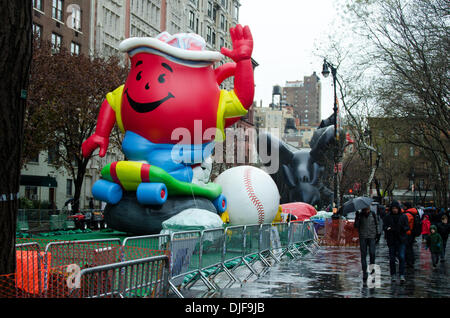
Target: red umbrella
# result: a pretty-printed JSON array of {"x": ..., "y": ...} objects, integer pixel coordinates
[{"x": 300, "y": 210}]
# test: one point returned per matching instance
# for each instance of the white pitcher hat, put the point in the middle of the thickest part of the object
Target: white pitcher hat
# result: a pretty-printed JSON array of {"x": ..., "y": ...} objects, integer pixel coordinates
[{"x": 182, "y": 48}]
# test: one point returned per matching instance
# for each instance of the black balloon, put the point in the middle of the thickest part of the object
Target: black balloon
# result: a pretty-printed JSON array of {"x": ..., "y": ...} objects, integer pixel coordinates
[
  {"x": 131, "y": 217},
  {"x": 304, "y": 174}
]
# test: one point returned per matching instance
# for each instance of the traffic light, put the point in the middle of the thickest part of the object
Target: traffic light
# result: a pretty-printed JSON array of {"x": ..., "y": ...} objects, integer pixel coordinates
[{"x": 350, "y": 191}]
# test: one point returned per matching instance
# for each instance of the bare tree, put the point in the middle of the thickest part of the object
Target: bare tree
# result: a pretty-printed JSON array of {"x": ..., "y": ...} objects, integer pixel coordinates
[{"x": 409, "y": 45}]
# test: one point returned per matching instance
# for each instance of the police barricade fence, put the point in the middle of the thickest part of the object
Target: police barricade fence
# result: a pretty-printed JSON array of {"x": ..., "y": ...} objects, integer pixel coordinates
[
  {"x": 143, "y": 277},
  {"x": 46, "y": 268},
  {"x": 194, "y": 252},
  {"x": 199, "y": 253}
]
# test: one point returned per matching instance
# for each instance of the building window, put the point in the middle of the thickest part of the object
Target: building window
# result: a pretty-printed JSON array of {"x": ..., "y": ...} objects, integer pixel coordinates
[
  {"x": 192, "y": 20},
  {"x": 75, "y": 17},
  {"x": 222, "y": 42},
  {"x": 57, "y": 9},
  {"x": 208, "y": 34},
  {"x": 56, "y": 42},
  {"x": 74, "y": 48},
  {"x": 69, "y": 187},
  {"x": 37, "y": 31},
  {"x": 210, "y": 9},
  {"x": 37, "y": 4},
  {"x": 51, "y": 155},
  {"x": 421, "y": 184},
  {"x": 236, "y": 11},
  {"x": 222, "y": 22},
  {"x": 35, "y": 159},
  {"x": 213, "y": 38},
  {"x": 411, "y": 151},
  {"x": 31, "y": 192}
]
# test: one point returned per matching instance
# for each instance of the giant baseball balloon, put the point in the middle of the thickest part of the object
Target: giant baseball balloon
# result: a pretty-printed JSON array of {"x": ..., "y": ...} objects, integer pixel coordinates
[{"x": 251, "y": 194}]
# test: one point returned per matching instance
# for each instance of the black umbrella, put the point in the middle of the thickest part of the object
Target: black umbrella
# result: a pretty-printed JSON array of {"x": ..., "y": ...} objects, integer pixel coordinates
[
  {"x": 67, "y": 202},
  {"x": 357, "y": 204}
]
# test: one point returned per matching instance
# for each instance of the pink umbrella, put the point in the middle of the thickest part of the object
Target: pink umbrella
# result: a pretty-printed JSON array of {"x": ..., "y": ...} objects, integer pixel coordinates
[{"x": 300, "y": 210}]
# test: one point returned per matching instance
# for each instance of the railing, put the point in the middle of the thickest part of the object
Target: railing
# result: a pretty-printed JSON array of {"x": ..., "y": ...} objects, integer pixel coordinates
[
  {"x": 199, "y": 256},
  {"x": 145, "y": 277},
  {"x": 88, "y": 268},
  {"x": 110, "y": 268}
]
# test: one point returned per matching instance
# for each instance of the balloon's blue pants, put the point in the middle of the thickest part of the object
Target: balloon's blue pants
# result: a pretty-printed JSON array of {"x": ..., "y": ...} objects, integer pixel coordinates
[{"x": 176, "y": 159}]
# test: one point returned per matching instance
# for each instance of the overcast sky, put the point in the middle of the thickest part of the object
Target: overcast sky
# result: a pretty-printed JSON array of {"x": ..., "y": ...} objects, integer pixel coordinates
[{"x": 286, "y": 34}]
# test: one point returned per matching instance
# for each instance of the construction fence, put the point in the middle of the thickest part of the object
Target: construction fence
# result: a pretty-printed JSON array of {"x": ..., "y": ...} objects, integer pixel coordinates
[
  {"x": 150, "y": 265},
  {"x": 339, "y": 232}
]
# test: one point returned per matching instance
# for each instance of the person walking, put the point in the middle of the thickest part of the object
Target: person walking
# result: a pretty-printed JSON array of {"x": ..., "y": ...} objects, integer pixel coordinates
[
  {"x": 434, "y": 216},
  {"x": 367, "y": 225},
  {"x": 443, "y": 229},
  {"x": 425, "y": 227},
  {"x": 413, "y": 231},
  {"x": 395, "y": 226},
  {"x": 434, "y": 243}
]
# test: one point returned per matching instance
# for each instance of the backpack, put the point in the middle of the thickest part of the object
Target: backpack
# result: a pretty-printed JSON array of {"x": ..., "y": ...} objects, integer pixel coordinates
[{"x": 415, "y": 225}]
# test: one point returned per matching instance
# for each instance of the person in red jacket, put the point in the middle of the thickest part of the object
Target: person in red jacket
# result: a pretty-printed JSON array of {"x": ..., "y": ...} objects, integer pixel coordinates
[
  {"x": 425, "y": 227},
  {"x": 410, "y": 212}
]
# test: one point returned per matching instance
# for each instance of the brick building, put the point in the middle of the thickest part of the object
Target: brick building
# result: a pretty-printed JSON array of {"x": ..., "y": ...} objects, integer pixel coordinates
[
  {"x": 64, "y": 23},
  {"x": 305, "y": 97}
]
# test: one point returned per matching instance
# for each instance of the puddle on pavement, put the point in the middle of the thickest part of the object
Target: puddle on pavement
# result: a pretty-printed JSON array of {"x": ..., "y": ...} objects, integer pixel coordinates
[{"x": 336, "y": 272}]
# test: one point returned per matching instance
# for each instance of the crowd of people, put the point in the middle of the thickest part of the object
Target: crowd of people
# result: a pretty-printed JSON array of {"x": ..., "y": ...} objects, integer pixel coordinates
[{"x": 402, "y": 225}]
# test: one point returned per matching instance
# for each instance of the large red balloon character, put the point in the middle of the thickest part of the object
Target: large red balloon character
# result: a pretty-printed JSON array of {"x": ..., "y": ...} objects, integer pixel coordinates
[{"x": 172, "y": 85}]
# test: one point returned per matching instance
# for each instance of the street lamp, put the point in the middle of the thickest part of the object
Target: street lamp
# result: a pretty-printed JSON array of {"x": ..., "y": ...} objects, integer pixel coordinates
[{"x": 325, "y": 72}]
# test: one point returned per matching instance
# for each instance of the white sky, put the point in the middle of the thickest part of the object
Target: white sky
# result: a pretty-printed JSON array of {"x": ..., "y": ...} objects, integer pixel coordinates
[{"x": 286, "y": 34}]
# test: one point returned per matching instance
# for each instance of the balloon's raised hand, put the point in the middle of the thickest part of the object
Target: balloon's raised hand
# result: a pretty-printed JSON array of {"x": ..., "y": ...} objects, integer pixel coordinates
[
  {"x": 242, "y": 41},
  {"x": 92, "y": 143}
]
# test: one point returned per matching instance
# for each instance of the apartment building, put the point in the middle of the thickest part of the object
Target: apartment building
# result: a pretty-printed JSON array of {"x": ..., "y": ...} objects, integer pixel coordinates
[
  {"x": 305, "y": 96},
  {"x": 64, "y": 23}
]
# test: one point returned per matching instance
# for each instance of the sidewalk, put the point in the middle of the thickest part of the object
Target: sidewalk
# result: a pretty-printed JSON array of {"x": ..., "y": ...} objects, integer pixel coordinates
[{"x": 336, "y": 272}]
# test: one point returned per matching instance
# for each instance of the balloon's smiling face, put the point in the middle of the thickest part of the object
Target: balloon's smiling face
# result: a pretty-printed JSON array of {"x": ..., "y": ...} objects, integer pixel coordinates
[
  {"x": 160, "y": 95},
  {"x": 147, "y": 88}
]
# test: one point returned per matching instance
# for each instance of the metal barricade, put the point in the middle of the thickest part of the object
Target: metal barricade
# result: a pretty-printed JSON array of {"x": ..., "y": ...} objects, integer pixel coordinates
[
  {"x": 234, "y": 246},
  {"x": 212, "y": 248},
  {"x": 136, "y": 247},
  {"x": 265, "y": 250},
  {"x": 252, "y": 248},
  {"x": 154, "y": 242},
  {"x": 185, "y": 260},
  {"x": 212, "y": 258},
  {"x": 283, "y": 230},
  {"x": 85, "y": 253},
  {"x": 146, "y": 277}
]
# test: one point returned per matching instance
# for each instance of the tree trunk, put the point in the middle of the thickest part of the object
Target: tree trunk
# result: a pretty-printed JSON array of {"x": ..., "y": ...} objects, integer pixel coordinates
[
  {"x": 78, "y": 181},
  {"x": 15, "y": 59}
]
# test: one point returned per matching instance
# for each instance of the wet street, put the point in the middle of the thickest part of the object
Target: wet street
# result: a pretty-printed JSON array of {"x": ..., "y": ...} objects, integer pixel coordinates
[{"x": 336, "y": 272}]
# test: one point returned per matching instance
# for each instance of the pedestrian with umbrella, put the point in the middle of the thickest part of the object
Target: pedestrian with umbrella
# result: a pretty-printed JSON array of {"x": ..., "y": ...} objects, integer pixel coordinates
[{"x": 366, "y": 222}]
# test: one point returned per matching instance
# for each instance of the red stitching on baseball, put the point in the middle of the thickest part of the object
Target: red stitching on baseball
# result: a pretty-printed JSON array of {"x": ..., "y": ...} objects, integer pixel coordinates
[{"x": 252, "y": 196}]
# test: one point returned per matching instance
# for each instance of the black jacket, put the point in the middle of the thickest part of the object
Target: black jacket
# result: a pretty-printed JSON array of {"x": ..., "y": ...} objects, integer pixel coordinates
[
  {"x": 395, "y": 227},
  {"x": 362, "y": 224},
  {"x": 443, "y": 230}
]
